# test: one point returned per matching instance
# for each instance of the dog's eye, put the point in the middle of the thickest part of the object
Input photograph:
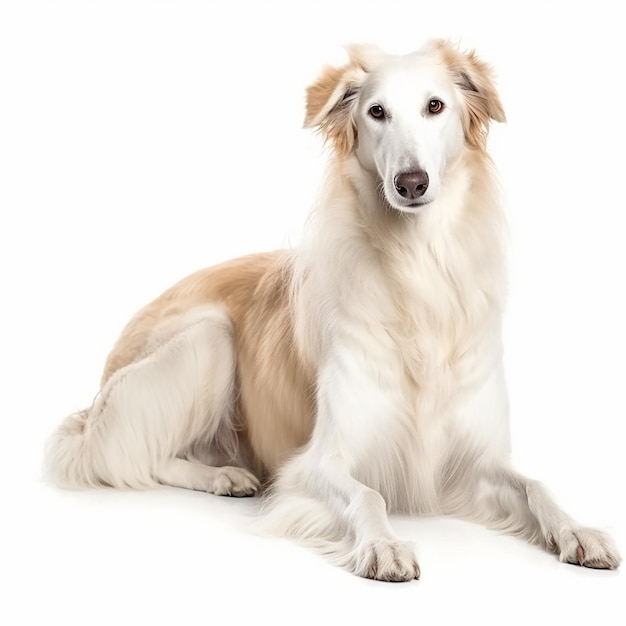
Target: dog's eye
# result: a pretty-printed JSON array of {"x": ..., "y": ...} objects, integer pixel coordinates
[
  {"x": 435, "y": 106},
  {"x": 377, "y": 112}
]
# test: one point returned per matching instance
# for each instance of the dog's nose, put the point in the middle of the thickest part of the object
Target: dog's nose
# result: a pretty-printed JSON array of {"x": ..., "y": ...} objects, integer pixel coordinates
[{"x": 412, "y": 185}]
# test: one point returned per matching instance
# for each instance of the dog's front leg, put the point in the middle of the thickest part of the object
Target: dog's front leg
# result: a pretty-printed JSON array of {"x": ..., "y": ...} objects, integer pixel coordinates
[
  {"x": 529, "y": 510},
  {"x": 317, "y": 497},
  {"x": 378, "y": 553},
  {"x": 349, "y": 518}
]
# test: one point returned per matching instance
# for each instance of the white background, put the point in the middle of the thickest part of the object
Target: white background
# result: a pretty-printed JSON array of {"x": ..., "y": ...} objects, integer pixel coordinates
[{"x": 140, "y": 141}]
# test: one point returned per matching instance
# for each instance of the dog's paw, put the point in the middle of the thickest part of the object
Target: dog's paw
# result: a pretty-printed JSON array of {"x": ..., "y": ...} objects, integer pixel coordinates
[
  {"x": 234, "y": 481},
  {"x": 587, "y": 547},
  {"x": 385, "y": 559}
]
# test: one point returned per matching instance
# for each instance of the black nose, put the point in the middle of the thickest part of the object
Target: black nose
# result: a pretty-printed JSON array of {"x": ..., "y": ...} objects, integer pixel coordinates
[{"x": 412, "y": 185}]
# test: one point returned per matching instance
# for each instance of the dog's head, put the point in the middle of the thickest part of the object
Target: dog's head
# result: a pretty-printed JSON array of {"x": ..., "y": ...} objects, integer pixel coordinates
[{"x": 405, "y": 117}]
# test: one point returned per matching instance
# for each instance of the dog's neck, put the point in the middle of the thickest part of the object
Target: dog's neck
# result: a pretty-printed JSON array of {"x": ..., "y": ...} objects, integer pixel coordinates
[{"x": 458, "y": 239}]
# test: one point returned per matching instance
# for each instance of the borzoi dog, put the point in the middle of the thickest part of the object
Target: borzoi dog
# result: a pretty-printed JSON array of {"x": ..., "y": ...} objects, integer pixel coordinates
[{"x": 361, "y": 373}]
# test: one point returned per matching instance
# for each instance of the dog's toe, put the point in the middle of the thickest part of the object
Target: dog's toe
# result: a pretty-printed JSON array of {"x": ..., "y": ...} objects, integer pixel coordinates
[
  {"x": 234, "y": 481},
  {"x": 387, "y": 560},
  {"x": 587, "y": 547}
]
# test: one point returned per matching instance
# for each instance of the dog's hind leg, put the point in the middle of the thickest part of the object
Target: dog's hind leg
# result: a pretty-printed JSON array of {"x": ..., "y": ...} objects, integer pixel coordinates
[
  {"x": 222, "y": 481},
  {"x": 177, "y": 396}
]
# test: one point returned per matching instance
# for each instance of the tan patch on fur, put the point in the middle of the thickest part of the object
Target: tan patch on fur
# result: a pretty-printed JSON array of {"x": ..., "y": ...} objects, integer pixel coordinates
[
  {"x": 481, "y": 99},
  {"x": 275, "y": 400}
]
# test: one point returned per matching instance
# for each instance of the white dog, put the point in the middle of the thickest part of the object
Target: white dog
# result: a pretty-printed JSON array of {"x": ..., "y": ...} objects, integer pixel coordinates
[{"x": 361, "y": 373}]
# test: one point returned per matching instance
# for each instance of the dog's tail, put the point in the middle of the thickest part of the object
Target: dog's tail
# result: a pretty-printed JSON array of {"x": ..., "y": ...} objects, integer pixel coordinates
[
  {"x": 87, "y": 451},
  {"x": 72, "y": 454},
  {"x": 65, "y": 452}
]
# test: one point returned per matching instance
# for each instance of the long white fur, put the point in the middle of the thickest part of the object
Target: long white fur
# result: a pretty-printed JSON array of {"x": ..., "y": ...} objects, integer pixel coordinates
[
  {"x": 148, "y": 413},
  {"x": 398, "y": 309}
]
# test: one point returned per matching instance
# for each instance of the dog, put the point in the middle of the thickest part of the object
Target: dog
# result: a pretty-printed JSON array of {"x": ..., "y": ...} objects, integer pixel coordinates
[{"x": 360, "y": 374}]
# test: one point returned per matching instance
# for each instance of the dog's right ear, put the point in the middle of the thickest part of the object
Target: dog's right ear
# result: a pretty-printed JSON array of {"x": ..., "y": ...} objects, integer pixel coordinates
[{"x": 331, "y": 99}]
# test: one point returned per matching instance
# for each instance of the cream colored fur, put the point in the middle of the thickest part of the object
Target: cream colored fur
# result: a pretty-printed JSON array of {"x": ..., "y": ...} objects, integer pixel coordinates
[{"x": 359, "y": 374}]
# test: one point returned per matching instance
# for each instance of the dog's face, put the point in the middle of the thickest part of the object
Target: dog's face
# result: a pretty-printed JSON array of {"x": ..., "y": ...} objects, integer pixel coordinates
[
  {"x": 408, "y": 124},
  {"x": 405, "y": 118}
]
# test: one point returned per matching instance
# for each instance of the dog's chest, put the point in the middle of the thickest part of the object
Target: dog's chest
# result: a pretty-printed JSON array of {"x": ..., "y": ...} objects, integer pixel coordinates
[
  {"x": 447, "y": 349},
  {"x": 446, "y": 406}
]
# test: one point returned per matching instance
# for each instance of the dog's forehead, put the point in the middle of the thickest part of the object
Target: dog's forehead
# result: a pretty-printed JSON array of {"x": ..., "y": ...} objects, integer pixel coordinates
[{"x": 417, "y": 73}]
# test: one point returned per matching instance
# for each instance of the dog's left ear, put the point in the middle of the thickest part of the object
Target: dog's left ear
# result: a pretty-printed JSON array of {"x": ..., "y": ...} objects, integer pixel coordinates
[
  {"x": 330, "y": 100},
  {"x": 481, "y": 100}
]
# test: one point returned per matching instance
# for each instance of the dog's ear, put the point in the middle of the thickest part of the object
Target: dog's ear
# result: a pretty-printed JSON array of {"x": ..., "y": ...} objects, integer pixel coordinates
[
  {"x": 481, "y": 100},
  {"x": 330, "y": 100}
]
